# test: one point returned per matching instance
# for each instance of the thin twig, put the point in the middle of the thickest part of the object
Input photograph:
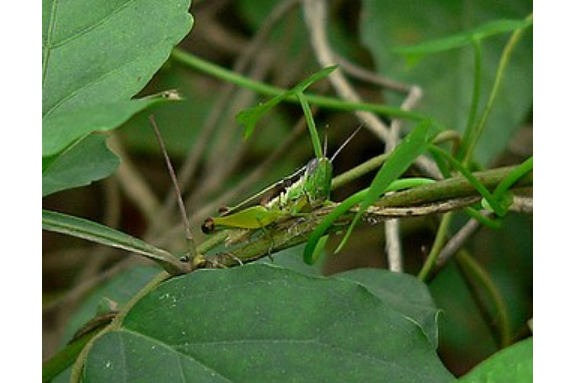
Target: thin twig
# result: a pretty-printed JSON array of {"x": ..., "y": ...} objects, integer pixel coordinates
[
  {"x": 520, "y": 205},
  {"x": 392, "y": 227},
  {"x": 457, "y": 241},
  {"x": 226, "y": 91},
  {"x": 85, "y": 286},
  {"x": 245, "y": 183},
  {"x": 226, "y": 148},
  {"x": 436, "y": 198},
  {"x": 134, "y": 184},
  {"x": 370, "y": 77},
  {"x": 316, "y": 18},
  {"x": 184, "y": 215}
]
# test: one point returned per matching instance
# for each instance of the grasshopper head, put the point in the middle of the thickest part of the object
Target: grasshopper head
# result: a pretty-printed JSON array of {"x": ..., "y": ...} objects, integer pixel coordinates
[
  {"x": 317, "y": 177},
  {"x": 208, "y": 226}
]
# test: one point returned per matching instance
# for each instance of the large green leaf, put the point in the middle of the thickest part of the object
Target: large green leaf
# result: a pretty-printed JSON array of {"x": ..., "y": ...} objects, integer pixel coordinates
[
  {"x": 260, "y": 323},
  {"x": 80, "y": 164},
  {"x": 119, "y": 289},
  {"x": 61, "y": 129},
  {"x": 512, "y": 364},
  {"x": 100, "y": 51},
  {"x": 404, "y": 292},
  {"x": 467, "y": 336},
  {"x": 96, "y": 55},
  {"x": 447, "y": 78}
]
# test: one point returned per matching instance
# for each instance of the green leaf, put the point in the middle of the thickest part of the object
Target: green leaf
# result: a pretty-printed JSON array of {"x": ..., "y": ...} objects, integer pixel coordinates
[
  {"x": 104, "y": 235},
  {"x": 120, "y": 289},
  {"x": 412, "y": 146},
  {"x": 512, "y": 364},
  {"x": 413, "y": 54},
  {"x": 99, "y": 51},
  {"x": 259, "y": 323},
  {"x": 62, "y": 129},
  {"x": 404, "y": 292},
  {"x": 447, "y": 79},
  {"x": 80, "y": 164},
  {"x": 96, "y": 55},
  {"x": 250, "y": 117},
  {"x": 291, "y": 258}
]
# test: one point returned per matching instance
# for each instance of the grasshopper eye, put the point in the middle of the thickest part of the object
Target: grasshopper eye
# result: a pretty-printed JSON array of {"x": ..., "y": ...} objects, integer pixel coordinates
[
  {"x": 208, "y": 226},
  {"x": 311, "y": 166}
]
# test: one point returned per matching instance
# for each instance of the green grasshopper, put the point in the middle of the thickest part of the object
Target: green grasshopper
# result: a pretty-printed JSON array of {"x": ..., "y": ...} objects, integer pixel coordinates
[{"x": 299, "y": 193}]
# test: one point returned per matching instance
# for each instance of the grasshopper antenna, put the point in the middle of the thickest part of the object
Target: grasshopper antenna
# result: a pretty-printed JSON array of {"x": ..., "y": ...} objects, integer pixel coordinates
[
  {"x": 189, "y": 238},
  {"x": 345, "y": 143},
  {"x": 325, "y": 142}
]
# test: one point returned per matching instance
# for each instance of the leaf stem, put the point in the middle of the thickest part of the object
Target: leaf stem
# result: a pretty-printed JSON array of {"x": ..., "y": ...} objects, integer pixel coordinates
[
  {"x": 480, "y": 126},
  {"x": 474, "y": 270},
  {"x": 194, "y": 62},
  {"x": 440, "y": 239},
  {"x": 310, "y": 125},
  {"x": 476, "y": 95},
  {"x": 78, "y": 369}
]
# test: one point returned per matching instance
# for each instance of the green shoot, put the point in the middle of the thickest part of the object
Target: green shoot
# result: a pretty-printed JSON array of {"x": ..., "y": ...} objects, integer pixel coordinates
[
  {"x": 413, "y": 54},
  {"x": 411, "y": 147},
  {"x": 311, "y": 125},
  {"x": 471, "y": 136},
  {"x": 249, "y": 117}
]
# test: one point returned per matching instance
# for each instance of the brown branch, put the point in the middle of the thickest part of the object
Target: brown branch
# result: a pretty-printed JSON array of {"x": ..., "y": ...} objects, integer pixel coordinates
[{"x": 422, "y": 200}]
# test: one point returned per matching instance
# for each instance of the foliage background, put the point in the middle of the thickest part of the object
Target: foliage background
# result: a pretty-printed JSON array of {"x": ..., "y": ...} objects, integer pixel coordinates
[{"x": 362, "y": 33}]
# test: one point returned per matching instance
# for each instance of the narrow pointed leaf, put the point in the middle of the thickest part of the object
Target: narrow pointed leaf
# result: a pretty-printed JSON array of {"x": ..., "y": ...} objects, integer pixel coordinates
[
  {"x": 104, "y": 235},
  {"x": 250, "y": 117},
  {"x": 402, "y": 157}
]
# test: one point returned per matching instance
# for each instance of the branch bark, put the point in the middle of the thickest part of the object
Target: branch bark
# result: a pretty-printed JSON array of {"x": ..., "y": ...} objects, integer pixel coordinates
[{"x": 440, "y": 197}]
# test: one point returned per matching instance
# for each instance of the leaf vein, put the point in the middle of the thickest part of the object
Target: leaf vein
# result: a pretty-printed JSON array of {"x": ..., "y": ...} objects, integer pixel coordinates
[{"x": 93, "y": 26}]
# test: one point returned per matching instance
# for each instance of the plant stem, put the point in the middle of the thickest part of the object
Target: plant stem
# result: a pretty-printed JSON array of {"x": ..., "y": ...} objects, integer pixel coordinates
[
  {"x": 78, "y": 368},
  {"x": 478, "y": 274},
  {"x": 418, "y": 200},
  {"x": 440, "y": 239},
  {"x": 475, "y": 98},
  {"x": 452, "y": 188},
  {"x": 478, "y": 128},
  {"x": 358, "y": 171},
  {"x": 65, "y": 357},
  {"x": 197, "y": 63}
]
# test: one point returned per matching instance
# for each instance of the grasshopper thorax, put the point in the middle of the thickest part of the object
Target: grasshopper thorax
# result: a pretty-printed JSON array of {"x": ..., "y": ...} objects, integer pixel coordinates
[{"x": 317, "y": 180}]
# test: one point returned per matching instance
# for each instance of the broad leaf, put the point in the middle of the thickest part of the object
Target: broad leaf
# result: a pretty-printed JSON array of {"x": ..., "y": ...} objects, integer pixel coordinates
[
  {"x": 291, "y": 258},
  {"x": 99, "y": 51},
  {"x": 80, "y": 164},
  {"x": 512, "y": 364},
  {"x": 62, "y": 129},
  {"x": 404, "y": 292},
  {"x": 96, "y": 55},
  {"x": 118, "y": 290},
  {"x": 447, "y": 78},
  {"x": 259, "y": 323}
]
